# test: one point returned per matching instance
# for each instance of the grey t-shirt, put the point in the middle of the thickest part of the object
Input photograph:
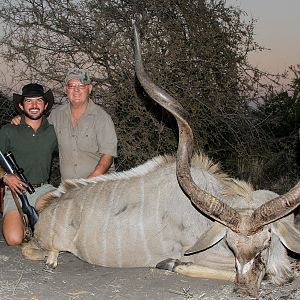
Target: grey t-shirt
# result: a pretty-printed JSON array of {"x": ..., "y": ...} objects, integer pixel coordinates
[{"x": 80, "y": 148}]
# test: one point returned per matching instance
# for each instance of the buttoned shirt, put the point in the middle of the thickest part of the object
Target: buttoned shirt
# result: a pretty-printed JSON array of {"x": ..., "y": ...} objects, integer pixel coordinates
[
  {"x": 32, "y": 149},
  {"x": 81, "y": 147}
]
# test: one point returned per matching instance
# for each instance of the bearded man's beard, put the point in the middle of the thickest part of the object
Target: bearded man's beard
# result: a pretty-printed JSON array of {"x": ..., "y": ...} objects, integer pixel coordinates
[{"x": 35, "y": 117}]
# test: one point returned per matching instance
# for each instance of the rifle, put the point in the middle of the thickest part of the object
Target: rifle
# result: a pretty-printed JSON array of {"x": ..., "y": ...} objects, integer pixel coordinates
[{"x": 10, "y": 166}]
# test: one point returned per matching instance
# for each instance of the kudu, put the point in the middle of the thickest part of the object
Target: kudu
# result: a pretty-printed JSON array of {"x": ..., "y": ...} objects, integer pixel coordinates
[{"x": 208, "y": 225}]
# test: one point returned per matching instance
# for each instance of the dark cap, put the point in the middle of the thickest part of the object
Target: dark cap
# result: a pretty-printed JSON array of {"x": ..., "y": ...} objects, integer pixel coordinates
[{"x": 33, "y": 90}]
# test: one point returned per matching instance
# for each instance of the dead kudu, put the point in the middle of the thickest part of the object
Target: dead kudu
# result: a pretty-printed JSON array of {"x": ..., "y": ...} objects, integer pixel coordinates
[{"x": 157, "y": 215}]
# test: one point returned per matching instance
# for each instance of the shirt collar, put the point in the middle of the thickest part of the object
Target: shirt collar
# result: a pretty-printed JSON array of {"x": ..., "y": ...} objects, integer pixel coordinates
[
  {"x": 43, "y": 126},
  {"x": 90, "y": 110}
]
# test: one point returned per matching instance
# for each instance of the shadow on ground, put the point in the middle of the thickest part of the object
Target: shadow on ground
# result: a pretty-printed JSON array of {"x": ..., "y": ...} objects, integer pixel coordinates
[{"x": 75, "y": 279}]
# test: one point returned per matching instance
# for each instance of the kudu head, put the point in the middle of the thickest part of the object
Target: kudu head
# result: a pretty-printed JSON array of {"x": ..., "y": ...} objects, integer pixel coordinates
[{"x": 248, "y": 233}]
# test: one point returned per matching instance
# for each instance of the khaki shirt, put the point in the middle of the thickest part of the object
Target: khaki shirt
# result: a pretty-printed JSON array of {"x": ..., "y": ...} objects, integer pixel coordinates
[{"x": 80, "y": 148}]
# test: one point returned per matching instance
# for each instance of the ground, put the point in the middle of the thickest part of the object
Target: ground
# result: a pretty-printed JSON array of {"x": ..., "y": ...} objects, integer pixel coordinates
[{"x": 75, "y": 279}]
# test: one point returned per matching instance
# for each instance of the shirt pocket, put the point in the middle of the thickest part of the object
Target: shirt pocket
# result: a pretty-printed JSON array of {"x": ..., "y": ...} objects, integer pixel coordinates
[
  {"x": 64, "y": 139},
  {"x": 63, "y": 136},
  {"x": 87, "y": 141}
]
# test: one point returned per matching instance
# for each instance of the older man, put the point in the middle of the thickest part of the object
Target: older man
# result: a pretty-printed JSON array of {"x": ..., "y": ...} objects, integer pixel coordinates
[{"x": 86, "y": 134}]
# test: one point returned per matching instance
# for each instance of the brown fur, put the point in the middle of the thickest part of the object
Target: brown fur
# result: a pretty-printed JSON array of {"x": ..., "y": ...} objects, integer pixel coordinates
[
  {"x": 44, "y": 201},
  {"x": 239, "y": 188},
  {"x": 233, "y": 187},
  {"x": 202, "y": 161}
]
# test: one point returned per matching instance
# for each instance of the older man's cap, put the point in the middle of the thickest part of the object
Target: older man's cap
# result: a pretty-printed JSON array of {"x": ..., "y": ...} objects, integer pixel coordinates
[{"x": 80, "y": 74}]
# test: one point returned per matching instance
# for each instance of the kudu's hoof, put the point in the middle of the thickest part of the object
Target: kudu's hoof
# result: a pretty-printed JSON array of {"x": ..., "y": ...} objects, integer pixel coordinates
[{"x": 168, "y": 264}]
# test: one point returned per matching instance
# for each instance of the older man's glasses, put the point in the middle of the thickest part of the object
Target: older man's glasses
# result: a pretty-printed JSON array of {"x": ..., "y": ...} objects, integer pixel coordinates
[{"x": 73, "y": 86}]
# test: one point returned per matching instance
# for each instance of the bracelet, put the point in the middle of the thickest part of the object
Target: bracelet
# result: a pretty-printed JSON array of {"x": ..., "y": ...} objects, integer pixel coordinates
[
  {"x": 4, "y": 174},
  {"x": 4, "y": 177}
]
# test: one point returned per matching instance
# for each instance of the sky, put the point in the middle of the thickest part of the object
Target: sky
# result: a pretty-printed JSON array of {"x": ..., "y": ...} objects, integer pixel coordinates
[{"x": 277, "y": 28}]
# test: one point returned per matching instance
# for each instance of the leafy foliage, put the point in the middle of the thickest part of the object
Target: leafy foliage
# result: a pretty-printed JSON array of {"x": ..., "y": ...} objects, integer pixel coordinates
[
  {"x": 6, "y": 109},
  {"x": 279, "y": 115}
]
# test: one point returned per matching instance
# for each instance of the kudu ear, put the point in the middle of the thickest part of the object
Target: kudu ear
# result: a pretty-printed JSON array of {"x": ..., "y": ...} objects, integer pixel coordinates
[
  {"x": 288, "y": 235},
  {"x": 212, "y": 236}
]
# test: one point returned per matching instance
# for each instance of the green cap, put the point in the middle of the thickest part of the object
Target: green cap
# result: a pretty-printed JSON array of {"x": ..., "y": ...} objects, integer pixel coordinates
[{"x": 79, "y": 74}]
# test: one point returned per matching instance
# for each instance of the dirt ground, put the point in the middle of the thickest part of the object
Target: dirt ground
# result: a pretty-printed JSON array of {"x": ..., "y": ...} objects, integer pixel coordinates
[{"x": 75, "y": 279}]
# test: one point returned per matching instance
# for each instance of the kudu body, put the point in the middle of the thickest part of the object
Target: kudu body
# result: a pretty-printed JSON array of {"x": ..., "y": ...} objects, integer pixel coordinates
[{"x": 184, "y": 215}]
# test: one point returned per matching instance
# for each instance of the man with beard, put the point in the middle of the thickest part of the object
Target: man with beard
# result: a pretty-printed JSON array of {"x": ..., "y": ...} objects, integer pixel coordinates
[{"x": 32, "y": 144}]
